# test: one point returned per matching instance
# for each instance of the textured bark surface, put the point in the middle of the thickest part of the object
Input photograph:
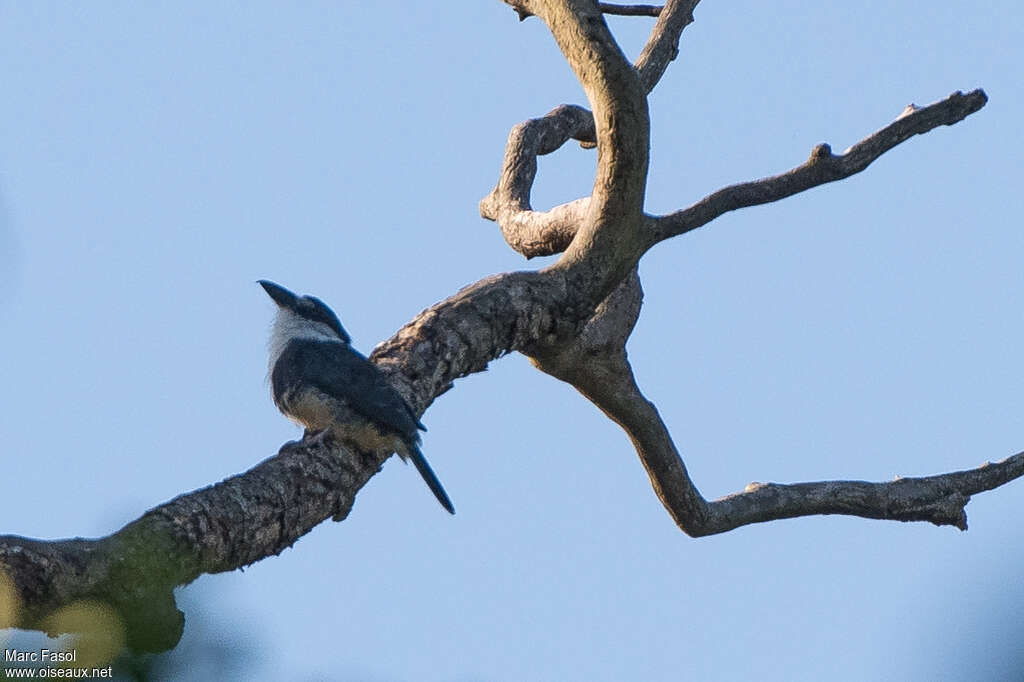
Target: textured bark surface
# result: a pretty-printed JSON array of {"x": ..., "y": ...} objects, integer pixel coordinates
[{"x": 572, "y": 319}]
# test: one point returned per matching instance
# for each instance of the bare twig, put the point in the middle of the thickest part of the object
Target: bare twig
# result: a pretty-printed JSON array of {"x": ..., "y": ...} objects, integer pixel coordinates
[
  {"x": 630, "y": 10},
  {"x": 822, "y": 167},
  {"x": 663, "y": 45},
  {"x": 522, "y": 8}
]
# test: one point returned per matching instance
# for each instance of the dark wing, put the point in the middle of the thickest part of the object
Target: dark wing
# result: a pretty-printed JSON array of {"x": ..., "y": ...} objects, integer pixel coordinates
[{"x": 338, "y": 370}]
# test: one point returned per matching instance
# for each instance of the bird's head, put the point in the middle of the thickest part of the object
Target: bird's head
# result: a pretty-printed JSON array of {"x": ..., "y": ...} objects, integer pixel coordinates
[{"x": 306, "y": 310}]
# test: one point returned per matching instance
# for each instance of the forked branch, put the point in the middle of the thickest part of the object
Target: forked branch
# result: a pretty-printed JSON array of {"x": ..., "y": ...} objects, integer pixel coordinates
[
  {"x": 595, "y": 362},
  {"x": 545, "y": 233},
  {"x": 606, "y": 379}
]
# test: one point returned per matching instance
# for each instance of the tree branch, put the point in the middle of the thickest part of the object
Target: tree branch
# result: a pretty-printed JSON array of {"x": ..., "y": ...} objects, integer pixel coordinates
[
  {"x": 822, "y": 167},
  {"x": 609, "y": 241},
  {"x": 522, "y": 9},
  {"x": 939, "y": 499},
  {"x": 663, "y": 45},
  {"x": 537, "y": 233},
  {"x": 595, "y": 363},
  {"x": 219, "y": 528},
  {"x": 630, "y": 10},
  {"x": 263, "y": 511},
  {"x": 544, "y": 233}
]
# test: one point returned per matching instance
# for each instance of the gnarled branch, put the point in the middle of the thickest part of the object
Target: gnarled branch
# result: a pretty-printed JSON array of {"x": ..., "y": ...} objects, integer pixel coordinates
[
  {"x": 545, "y": 233},
  {"x": 601, "y": 372},
  {"x": 537, "y": 233},
  {"x": 663, "y": 45},
  {"x": 572, "y": 319}
]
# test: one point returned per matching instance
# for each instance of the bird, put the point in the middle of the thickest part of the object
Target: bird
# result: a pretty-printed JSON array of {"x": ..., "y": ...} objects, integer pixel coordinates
[{"x": 320, "y": 381}]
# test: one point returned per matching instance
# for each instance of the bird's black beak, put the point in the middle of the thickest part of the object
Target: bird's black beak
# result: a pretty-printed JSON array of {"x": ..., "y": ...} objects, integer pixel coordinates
[{"x": 281, "y": 296}]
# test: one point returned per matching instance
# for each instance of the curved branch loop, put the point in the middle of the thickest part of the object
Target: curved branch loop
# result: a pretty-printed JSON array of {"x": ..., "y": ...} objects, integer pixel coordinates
[
  {"x": 545, "y": 233},
  {"x": 537, "y": 233}
]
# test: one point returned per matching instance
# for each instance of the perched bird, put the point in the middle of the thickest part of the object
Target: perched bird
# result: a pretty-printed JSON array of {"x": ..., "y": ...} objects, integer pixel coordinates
[{"x": 321, "y": 382}]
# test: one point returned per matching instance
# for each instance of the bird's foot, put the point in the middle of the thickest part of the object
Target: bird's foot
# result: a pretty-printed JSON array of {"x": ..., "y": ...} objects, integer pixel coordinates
[{"x": 321, "y": 437}]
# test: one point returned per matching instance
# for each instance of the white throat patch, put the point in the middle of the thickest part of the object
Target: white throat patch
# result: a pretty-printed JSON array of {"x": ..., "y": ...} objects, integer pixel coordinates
[{"x": 288, "y": 327}]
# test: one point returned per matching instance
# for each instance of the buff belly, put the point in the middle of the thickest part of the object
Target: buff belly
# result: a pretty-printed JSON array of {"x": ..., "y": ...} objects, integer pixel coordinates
[{"x": 317, "y": 411}]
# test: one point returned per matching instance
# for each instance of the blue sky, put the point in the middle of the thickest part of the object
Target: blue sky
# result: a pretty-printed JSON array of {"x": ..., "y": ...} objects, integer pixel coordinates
[{"x": 156, "y": 159}]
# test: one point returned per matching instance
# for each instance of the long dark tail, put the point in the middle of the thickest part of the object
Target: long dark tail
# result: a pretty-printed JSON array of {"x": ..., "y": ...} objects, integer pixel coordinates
[{"x": 430, "y": 478}]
